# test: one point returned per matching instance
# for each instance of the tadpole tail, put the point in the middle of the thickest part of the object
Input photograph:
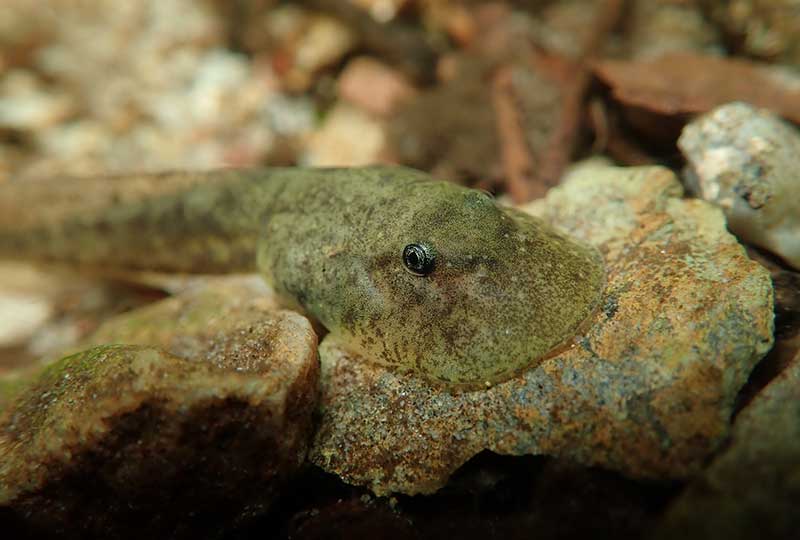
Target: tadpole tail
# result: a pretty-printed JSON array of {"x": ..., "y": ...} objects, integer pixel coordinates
[{"x": 204, "y": 222}]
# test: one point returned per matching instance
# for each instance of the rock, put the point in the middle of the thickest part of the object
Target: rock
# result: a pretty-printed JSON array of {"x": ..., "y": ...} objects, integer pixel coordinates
[
  {"x": 26, "y": 105},
  {"x": 299, "y": 42},
  {"x": 373, "y": 86},
  {"x": 43, "y": 313},
  {"x": 22, "y": 309},
  {"x": 349, "y": 137},
  {"x": 745, "y": 160},
  {"x": 130, "y": 440},
  {"x": 323, "y": 43},
  {"x": 649, "y": 389},
  {"x": 563, "y": 27},
  {"x": 761, "y": 28},
  {"x": 659, "y": 27},
  {"x": 753, "y": 488}
]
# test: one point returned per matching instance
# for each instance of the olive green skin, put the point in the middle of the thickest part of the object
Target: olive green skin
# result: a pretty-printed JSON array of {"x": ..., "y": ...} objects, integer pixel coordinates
[{"x": 505, "y": 290}]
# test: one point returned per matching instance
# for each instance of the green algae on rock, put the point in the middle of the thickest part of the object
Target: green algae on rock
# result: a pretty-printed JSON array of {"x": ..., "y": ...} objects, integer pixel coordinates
[
  {"x": 649, "y": 389},
  {"x": 116, "y": 432},
  {"x": 501, "y": 289}
]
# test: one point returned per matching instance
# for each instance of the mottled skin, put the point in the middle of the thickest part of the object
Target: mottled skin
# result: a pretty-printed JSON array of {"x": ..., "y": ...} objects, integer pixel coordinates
[{"x": 505, "y": 291}]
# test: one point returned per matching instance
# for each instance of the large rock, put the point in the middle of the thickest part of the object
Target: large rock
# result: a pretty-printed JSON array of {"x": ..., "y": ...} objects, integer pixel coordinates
[
  {"x": 752, "y": 490},
  {"x": 648, "y": 390},
  {"x": 130, "y": 440}
]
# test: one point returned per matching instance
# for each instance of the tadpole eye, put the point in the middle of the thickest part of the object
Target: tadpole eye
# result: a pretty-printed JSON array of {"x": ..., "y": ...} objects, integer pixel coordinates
[{"x": 419, "y": 259}]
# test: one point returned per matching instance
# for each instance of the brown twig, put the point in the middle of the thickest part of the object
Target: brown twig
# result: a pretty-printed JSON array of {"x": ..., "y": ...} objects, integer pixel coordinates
[
  {"x": 516, "y": 158},
  {"x": 564, "y": 138}
]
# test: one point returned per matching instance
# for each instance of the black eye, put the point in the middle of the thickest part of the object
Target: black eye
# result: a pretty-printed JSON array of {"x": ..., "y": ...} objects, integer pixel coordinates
[{"x": 419, "y": 259}]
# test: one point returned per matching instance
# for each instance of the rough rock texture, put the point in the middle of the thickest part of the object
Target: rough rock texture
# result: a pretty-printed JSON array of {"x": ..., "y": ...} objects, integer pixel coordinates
[
  {"x": 745, "y": 160},
  {"x": 753, "y": 488},
  {"x": 129, "y": 440},
  {"x": 647, "y": 391}
]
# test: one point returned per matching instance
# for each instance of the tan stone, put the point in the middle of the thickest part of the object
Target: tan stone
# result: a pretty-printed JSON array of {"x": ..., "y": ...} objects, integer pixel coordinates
[
  {"x": 373, "y": 86},
  {"x": 349, "y": 137}
]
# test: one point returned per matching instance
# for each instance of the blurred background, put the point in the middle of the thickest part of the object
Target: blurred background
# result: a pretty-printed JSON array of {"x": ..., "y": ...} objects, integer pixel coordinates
[{"x": 502, "y": 95}]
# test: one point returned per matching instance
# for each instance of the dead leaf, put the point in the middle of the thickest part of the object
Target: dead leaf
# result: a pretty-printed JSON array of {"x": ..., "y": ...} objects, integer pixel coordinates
[{"x": 684, "y": 83}]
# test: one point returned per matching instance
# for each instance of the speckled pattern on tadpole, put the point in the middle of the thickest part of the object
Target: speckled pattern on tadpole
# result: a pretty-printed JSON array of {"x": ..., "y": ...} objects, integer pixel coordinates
[{"x": 421, "y": 276}]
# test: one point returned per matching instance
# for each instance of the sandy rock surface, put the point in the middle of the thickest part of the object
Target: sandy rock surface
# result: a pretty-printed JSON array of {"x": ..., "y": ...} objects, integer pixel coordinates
[
  {"x": 751, "y": 490},
  {"x": 647, "y": 391}
]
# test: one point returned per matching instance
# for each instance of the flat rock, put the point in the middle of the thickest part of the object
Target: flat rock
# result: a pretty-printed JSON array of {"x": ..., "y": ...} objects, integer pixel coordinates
[
  {"x": 753, "y": 488},
  {"x": 131, "y": 440},
  {"x": 647, "y": 391}
]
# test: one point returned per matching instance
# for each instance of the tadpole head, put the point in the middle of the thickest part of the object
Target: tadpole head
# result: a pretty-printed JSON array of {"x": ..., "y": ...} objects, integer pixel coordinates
[{"x": 465, "y": 292}]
